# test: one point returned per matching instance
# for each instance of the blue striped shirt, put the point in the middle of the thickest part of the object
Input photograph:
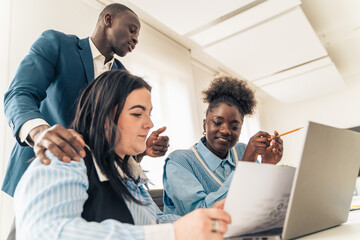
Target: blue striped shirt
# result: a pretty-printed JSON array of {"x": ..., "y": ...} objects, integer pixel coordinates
[
  {"x": 188, "y": 186},
  {"x": 49, "y": 201}
]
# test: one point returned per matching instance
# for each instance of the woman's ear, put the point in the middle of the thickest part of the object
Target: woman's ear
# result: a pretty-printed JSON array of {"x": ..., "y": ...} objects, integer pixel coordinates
[
  {"x": 106, "y": 125},
  {"x": 204, "y": 126},
  {"x": 107, "y": 130}
]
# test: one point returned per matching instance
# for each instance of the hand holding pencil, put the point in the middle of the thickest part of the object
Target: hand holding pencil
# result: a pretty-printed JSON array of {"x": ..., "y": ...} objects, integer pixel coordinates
[
  {"x": 274, "y": 152},
  {"x": 269, "y": 150},
  {"x": 285, "y": 133}
]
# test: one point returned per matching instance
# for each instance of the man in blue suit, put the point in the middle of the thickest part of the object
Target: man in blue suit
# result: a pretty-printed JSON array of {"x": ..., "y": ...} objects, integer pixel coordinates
[{"x": 48, "y": 81}]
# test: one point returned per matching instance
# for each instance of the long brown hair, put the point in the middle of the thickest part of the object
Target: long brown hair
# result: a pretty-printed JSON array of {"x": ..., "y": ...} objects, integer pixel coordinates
[{"x": 100, "y": 105}]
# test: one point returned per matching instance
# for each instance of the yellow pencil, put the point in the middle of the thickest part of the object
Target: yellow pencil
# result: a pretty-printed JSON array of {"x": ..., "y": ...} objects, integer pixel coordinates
[{"x": 280, "y": 135}]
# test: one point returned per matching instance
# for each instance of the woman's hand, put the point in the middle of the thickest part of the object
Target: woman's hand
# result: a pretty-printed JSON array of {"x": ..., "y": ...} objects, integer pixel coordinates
[
  {"x": 201, "y": 224},
  {"x": 274, "y": 152},
  {"x": 269, "y": 147},
  {"x": 257, "y": 145},
  {"x": 219, "y": 204}
]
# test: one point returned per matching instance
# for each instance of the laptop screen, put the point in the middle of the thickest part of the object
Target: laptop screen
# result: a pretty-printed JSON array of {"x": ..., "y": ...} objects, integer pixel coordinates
[{"x": 324, "y": 182}]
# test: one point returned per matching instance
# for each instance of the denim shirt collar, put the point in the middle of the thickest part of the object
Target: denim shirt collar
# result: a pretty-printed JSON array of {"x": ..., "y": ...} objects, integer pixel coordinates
[{"x": 211, "y": 160}]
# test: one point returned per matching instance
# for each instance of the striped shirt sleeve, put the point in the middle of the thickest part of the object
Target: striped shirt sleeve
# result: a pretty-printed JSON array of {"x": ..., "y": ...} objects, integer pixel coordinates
[{"x": 49, "y": 201}]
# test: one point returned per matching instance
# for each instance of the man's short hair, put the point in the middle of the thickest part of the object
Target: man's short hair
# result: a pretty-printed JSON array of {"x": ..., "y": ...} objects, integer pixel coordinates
[{"x": 113, "y": 9}]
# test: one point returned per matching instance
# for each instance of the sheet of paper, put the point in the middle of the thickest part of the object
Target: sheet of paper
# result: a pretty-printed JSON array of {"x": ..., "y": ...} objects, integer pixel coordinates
[
  {"x": 355, "y": 203},
  {"x": 258, "y": 197}
]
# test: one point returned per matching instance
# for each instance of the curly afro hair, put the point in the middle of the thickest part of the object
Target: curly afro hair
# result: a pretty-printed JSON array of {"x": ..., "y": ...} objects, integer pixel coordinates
[{"x": 232, "y": 91}]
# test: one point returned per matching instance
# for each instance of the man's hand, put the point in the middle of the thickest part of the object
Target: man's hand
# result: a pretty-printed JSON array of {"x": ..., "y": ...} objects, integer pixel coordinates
[
  {"x": 156, "y": 146},
  {"x": 65, "y": 144}
]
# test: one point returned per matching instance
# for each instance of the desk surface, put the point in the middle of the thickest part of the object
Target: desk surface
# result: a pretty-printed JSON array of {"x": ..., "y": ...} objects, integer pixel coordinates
[{"x": 349, "y": 230}]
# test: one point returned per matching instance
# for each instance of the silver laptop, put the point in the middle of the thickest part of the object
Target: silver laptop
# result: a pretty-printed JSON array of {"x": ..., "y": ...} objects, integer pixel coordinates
[{"x": 323, "y": 184}]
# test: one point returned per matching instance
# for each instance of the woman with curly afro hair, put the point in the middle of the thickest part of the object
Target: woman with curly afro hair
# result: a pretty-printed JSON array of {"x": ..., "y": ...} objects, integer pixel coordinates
[{"x": 200, "y": 177}]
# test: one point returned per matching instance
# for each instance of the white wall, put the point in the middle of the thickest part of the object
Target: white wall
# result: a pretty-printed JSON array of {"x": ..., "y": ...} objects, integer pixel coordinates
[
  {"x": 5, "y": 135},
  {"x": 203, "y": 76},
  {"x": 339, "y": 110}
]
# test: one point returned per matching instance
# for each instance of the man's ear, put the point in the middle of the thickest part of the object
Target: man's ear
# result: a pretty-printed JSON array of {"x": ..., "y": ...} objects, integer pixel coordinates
[{"x": 107, "y": 20}]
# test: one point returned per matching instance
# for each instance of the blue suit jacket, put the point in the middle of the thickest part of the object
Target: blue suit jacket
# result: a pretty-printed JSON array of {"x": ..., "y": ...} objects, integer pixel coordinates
[{"x": 46, "y": 85}]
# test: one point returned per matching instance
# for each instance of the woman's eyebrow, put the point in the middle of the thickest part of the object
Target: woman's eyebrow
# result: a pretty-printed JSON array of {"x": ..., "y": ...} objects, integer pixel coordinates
[
  {"x": 138, "y": 106},
  {"x": 233, "y": 121}
]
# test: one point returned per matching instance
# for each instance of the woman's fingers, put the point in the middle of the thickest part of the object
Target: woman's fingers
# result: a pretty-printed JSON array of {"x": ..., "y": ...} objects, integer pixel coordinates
[
  {"x": 202, "y": 224},
  {"x": 219, "y": 204},
  {"x": 218, "y": 214}
]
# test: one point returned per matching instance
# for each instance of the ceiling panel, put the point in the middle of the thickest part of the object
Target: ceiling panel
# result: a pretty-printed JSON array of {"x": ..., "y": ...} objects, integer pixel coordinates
[
  {"x": 305, "y": 82},
  {"x": 327, "y": 15},
  {"x": 243, "y": 21},
  {"x": 276, "y": 45},
  {"x": 345, "y": 51},
  {"x": 293, "y": 72},
  {"x": 187, "y": 15}
]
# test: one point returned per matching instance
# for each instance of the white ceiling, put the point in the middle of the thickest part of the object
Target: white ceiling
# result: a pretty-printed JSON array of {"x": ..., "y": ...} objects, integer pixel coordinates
[{"x": 293, "y": 50}]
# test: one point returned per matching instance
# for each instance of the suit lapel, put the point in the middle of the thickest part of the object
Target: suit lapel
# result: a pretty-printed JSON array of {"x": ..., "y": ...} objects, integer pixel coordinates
[
  {"x": 117, "y": 65},
  {"x": 86, "y": 58}
]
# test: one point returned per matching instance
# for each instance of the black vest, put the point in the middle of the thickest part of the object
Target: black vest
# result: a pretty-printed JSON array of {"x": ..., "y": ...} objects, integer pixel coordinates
[{"x": 103, "y": 202}]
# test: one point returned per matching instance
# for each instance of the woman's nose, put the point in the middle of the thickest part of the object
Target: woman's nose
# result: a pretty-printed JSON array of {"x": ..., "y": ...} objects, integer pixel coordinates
[
  {"x": 149, "y": 124},
  {"x": 224, "y": 129}
]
